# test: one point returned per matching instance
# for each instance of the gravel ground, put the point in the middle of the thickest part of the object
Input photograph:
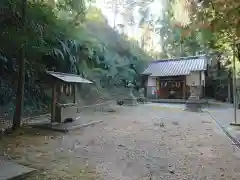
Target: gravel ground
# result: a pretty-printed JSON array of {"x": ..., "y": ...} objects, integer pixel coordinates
[{"x": 144, "y": 142}]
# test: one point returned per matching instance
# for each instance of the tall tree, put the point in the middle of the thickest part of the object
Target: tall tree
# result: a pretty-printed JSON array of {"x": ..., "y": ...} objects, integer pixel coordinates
[
  {"x": 114, "y": 6},
  {"x": 21, "y": 73}
]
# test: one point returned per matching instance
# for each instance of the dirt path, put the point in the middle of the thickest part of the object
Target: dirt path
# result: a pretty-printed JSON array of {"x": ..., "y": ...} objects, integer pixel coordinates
[{"x": 144, "y": 142}]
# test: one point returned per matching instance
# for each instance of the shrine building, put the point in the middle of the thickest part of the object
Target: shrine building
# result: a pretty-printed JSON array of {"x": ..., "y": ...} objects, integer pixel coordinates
[{"x": 172, "y": 78}]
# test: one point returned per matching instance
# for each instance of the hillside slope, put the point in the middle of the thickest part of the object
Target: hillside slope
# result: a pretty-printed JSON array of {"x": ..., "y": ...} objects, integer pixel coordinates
[{"x": 91, "y": 49}]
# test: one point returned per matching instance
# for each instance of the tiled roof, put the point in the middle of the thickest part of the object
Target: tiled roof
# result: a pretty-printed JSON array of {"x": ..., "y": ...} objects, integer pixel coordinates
[
  {"x": 70, "y": 78},
  {"x": 176, "y": 67}
]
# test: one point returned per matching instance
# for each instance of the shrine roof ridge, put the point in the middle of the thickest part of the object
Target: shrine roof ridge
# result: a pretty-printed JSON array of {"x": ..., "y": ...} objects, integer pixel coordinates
[{"x": 180, "y": 58}]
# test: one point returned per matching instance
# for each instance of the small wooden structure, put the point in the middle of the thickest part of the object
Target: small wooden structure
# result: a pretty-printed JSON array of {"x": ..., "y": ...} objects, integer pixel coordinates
[{"x": 64, "y": 84}]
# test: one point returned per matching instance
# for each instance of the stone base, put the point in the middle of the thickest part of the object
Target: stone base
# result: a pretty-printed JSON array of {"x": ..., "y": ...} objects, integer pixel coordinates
[
  {"x": 65, "y": 113},
  {"x": 130, "y": 102},
  {"x": 235, "y": 124},
  {"x": 64, "y": 127},
  {"x": 193, "y": 103},
  {"x": 10, "y": 170},
  {"x": 193, "y": 106},
  {"x": 142, "y": 100}
]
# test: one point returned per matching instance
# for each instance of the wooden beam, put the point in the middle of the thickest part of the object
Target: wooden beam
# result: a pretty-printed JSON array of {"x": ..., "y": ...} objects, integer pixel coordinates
[{"x": 156, "y": 88}]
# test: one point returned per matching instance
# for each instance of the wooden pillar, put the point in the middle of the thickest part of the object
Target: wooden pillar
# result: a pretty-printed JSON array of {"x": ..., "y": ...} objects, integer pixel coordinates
[
  {"x": 201, "y": 85},
  {"x": 74, "y": 93},
  {"x": 184, "y": 87},
  {"x": 157, "y": 87},
  {"x": 54, "y": 101}
]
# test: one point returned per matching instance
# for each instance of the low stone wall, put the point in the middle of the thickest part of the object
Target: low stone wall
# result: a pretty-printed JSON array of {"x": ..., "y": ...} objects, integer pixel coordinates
[{"x": 177, "y": 101}]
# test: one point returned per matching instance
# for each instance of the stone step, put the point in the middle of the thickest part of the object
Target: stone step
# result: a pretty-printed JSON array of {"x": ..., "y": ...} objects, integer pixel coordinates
[{"x": 10, "y": 170}]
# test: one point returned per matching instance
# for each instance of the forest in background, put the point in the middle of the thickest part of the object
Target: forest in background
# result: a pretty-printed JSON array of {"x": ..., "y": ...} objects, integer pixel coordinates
[
  {"x": 73, "y": 36},
  {"x": 79, "y": 42}
]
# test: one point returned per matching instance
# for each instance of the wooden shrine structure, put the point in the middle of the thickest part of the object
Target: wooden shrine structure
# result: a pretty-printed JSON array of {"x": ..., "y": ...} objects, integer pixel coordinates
[{"x": 63, "y": 84}]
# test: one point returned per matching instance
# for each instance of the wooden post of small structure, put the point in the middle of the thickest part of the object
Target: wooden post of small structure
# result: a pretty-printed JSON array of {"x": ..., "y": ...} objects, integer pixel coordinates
[
  {"x": 54, "y": 100},
  {"x": 74, "y": 93}
]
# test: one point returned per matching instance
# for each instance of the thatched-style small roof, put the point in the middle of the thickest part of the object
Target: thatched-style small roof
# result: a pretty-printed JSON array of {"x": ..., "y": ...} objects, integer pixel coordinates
[{"x": 69, "y": 78}]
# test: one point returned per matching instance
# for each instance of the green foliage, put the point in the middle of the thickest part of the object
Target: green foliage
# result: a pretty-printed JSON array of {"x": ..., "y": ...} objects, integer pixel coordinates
[
  {"x": 79, "y": 42},
  {"x": 175, "y": 40},
  {"x": 217, "y": 21}
]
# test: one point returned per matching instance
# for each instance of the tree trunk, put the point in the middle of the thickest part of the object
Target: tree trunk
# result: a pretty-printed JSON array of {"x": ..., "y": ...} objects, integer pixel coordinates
[{"x": 21, "y": 77}]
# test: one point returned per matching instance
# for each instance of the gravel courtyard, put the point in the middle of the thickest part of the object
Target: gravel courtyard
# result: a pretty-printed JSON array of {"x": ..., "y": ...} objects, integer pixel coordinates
[{"x": 144, "y": 142}]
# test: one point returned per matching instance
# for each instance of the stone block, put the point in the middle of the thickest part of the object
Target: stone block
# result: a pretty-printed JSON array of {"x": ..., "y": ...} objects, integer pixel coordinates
[
  {"x": 65, "y": 112},
  {"x": 10, "y": 170},
  {"x": 130, "y": 102}
]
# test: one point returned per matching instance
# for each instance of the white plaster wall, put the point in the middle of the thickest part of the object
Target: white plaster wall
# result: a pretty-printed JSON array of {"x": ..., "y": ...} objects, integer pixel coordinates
[
  {"x": 151, "y": 81},
  {"x": 203, "y": 78},
  {"x": 193, "y": 76}
]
